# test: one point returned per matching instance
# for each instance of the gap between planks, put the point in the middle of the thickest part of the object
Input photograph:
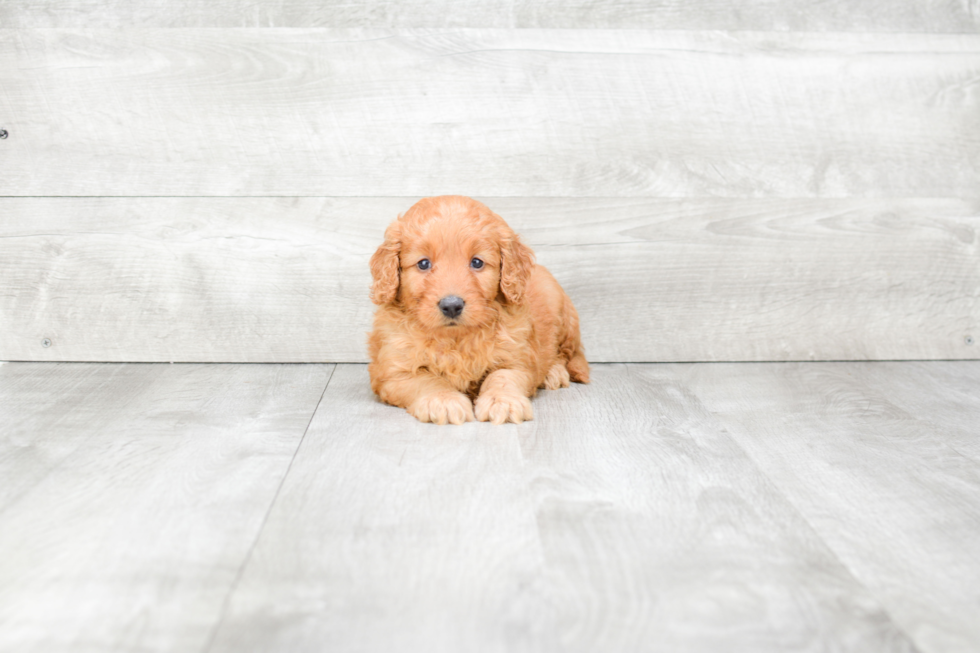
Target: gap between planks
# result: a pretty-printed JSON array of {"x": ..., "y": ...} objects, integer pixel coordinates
[{"x": 258, "y": 533}]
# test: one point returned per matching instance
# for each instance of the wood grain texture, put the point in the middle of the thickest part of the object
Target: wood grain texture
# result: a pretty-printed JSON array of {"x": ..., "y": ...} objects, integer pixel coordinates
[
  {"x": 392, "y": 535},
  {"x": 885, "y": 484},
  {"x": 942, "y": 397},
  {"x": 148, "y": 485},
  {"x": 659, "y": 533},
  {"x": 584, "y": 113},
  {"x": 286, "y": 279},
  {"x": 48, "y": 411},
  {"x": 835, "y": 15},
  {"x": 763, "y": 507}
]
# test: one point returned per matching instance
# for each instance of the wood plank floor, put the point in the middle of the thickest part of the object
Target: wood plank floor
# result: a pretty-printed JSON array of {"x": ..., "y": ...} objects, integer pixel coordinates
[{"x": 680, "y": 507}]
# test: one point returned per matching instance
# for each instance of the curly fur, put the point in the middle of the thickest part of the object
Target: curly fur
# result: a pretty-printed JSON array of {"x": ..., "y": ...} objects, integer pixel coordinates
[{"x": 518, "y": 330}]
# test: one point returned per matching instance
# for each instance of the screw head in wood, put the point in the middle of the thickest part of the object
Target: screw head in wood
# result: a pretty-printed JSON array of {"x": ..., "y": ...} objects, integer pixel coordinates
[
  {"x": 968, "y": 340},
  {"x": 3, "y": 133},
  {"x": 46, "y": 342}
]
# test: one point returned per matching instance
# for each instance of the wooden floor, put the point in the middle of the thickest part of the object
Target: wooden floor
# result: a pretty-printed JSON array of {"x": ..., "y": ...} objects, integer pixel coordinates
[{"x": 681, "y": 507}]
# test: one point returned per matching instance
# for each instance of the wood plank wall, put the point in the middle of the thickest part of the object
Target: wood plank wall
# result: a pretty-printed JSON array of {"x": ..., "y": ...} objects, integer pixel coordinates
[{"x": 204, "y": 181}]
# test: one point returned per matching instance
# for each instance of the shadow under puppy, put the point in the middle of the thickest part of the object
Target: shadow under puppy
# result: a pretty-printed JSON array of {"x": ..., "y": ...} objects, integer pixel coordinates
[{"x": 468, "y": 325}]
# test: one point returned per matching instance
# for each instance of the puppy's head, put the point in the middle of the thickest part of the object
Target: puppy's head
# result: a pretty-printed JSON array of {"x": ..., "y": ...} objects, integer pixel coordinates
[{"x": 450, "y": 262}]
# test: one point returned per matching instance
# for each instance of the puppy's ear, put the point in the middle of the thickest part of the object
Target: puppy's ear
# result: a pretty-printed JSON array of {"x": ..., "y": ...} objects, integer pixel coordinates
[
  {"x": 517, "y": 261},
  {"x": 385, "y": 266}
]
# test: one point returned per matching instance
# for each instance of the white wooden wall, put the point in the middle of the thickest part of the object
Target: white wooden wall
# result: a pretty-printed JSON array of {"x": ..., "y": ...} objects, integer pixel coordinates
[{"x": 186, "y": 180}]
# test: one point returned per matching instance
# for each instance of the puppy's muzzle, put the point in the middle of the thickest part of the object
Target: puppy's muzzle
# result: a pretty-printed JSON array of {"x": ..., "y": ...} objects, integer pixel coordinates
[{"x": 452, "y": 306}]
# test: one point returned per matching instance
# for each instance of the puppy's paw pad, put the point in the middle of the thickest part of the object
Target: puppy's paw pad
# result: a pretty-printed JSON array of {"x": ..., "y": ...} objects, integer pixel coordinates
[
  {"x": 500, "y": 407},
  {"x": 448, "y": 407},
  {"x": 557, "y": 377}
]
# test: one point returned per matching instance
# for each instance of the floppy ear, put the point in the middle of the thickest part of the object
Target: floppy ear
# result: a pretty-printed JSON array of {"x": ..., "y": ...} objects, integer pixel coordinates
[
  {"x": 385, "y": 266},
  {"x": 517, "y": 261}
]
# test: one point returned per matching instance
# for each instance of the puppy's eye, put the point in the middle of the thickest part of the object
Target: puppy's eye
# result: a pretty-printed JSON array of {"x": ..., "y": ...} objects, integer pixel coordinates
[
  {"x": 424, "y": 264},
  {"x": 476, "y": 263}
]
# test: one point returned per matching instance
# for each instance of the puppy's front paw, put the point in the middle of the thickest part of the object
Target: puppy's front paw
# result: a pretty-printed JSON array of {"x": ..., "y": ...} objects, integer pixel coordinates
[
  {"x": 500, "y": 406},
  {"x": 442, "y": 407}
]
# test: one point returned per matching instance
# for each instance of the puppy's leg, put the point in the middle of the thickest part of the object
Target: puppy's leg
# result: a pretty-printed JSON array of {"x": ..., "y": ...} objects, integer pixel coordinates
[
  {"x": 557, "y": 377},
  {"x": 429, "y": 398},
  {"x": 504, "y": 397},
  {"x": 578, "y": 368},
  {"x": 571, "y": 346}
]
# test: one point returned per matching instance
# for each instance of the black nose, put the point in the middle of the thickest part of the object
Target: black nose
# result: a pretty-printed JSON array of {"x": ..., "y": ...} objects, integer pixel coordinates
[{"x": 451, "y": 306}]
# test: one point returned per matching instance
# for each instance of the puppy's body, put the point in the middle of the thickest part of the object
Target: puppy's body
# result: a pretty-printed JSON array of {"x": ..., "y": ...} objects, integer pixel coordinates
[{"x": 468, "y": 325}]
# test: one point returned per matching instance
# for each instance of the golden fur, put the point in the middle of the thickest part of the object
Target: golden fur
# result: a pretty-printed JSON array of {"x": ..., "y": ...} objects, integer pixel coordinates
[{"x": 518, "y": 330}]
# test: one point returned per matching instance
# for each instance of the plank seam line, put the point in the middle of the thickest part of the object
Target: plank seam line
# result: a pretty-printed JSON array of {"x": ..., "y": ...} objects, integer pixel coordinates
[
  {"x": 59, "y": 464},
  {"x": 777, "y": 487},
  {"x": 209, "y": 642}
]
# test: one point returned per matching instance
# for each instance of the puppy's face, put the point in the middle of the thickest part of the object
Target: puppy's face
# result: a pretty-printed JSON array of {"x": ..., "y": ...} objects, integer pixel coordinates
[
  {"x": 450, "y": 274},
  {"x": 450, "y": 262}
]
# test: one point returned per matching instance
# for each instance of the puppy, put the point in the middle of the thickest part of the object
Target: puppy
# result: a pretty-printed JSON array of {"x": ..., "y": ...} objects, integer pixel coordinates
[{"x": 468, "y": 326}]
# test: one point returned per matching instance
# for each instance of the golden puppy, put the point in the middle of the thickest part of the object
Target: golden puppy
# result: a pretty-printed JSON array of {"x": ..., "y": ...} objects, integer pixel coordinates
[{"x": 466, "y": 319}]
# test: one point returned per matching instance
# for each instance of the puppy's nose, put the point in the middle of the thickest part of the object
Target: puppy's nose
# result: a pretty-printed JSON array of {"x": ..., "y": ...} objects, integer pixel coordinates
[{"x": 451, "y": 306}]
